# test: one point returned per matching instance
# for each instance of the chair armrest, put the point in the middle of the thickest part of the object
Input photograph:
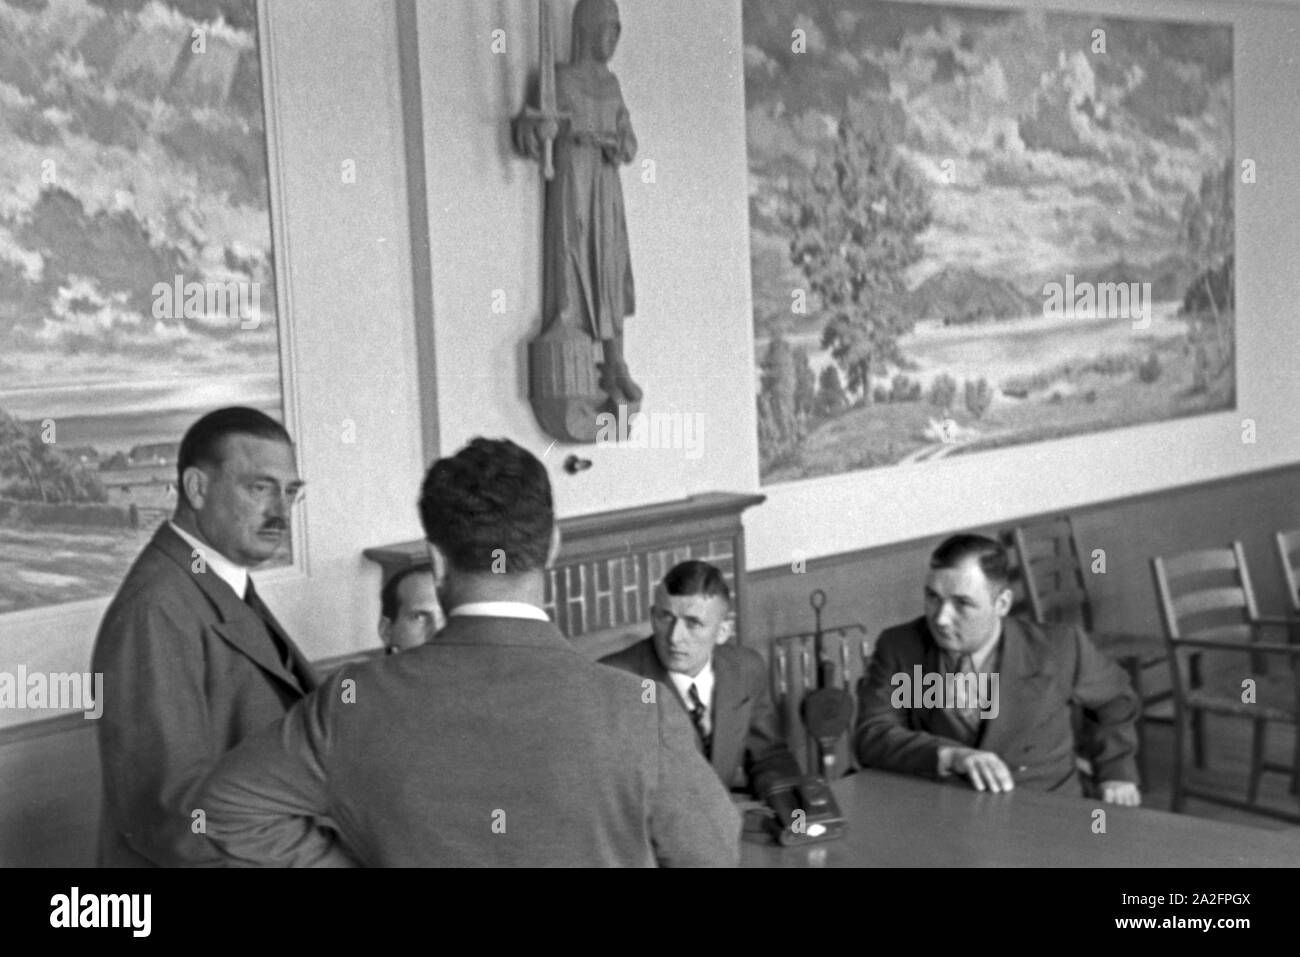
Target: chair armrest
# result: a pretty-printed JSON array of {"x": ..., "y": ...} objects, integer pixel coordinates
[{"x": 1265, "y": 647}]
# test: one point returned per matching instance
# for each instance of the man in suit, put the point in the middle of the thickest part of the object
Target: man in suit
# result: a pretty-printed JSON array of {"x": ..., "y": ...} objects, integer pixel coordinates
[
  {"x": 966, "y": 691},
  {"x": 721, "y": 686},
  {"x": 193, "y": 661},
  {"x": 498, "y": 743},
  {"x": 409, "y": 613}
]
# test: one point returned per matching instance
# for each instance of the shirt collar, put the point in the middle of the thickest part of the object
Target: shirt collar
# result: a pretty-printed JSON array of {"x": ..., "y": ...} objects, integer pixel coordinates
[
  {"x": 703, "y": 682},
  {"x": 981, "y": 659},
  {"x": 236, "y": 576},
  {"x": 498, "y": 609}
]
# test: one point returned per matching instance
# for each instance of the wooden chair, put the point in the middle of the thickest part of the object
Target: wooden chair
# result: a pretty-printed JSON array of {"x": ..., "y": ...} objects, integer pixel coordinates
[
  {"x": 1207, "y": 602},
  {"x": 1288, "y": 550},
  {"x": 1055, "y": 590}
]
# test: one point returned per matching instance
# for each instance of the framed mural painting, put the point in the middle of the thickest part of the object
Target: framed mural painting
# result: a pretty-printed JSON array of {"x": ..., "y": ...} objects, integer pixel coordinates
[
  {"x": 137, "y": 282},
  {"x": 976, "y": 227}
]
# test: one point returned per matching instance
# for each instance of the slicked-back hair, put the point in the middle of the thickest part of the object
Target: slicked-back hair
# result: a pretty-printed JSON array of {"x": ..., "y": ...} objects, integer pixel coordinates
[
  {"x": 204, "y": 441},
  {"x": 693, "y": 577},
  {"x": 491, "y": 499},
  {"x": 991, "y": 555},
  {"x": 388, "y": 600}
]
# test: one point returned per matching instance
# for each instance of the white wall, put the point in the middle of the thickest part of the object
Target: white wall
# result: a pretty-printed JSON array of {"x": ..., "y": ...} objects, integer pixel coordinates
[
  {"x": 876, "y": 507},
  {"x": 345, "y": 266},
  {"x": 690, "y": 343}
]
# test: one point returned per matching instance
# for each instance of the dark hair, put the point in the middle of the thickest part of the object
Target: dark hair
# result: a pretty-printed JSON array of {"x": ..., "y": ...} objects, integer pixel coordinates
[
  {"x": 991, "y": 555},
  {"x": 204, "y": 440},
  {"x": 388, "y": 600},
  {"x": 697, "y": 578},
  {"x": 492, "y": 498}
]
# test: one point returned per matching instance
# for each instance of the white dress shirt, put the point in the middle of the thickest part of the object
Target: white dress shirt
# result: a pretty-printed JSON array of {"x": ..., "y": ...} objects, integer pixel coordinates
[
  {"x": 703, "y": 682},
  {"x": 236, "y": 576},
  {"x": 498, "y": 609}
]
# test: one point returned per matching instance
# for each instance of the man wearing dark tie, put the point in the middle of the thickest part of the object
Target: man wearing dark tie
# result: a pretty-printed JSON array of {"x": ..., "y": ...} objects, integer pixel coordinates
[
  {"x": 722, "y": 686},
  {"x": 967, "y": 691},
  {"x": 192, "y": 658},
  {"x": 498, "y": 743}
]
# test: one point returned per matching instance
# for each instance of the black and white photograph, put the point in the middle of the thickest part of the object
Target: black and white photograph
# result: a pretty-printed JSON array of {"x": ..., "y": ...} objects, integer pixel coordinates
[{"x": 651, "y": 433}]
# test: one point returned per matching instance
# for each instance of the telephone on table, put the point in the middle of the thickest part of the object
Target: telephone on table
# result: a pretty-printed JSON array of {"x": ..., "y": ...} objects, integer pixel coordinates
[{"x": 803, "y": 810}]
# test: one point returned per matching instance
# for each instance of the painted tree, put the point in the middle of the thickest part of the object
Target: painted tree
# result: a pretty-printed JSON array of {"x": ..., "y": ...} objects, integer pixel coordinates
[
  {"x": 854, "y": 221},
  {"x": 778, "y": 395},
  {"x": 1207, "y": 227},
  {"x": 831, "y": 399},
  {"x": 805, "y": 386},
  {"x": 34, "y": 470}
]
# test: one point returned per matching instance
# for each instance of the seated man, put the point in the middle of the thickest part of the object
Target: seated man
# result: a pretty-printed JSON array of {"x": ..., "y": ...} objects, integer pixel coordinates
[
  {"x": 409, "y": 611},
  {"x": 496, "y": 744},
  {"x": 965, "y": 690},
  {"x": 722, "y": 687}
]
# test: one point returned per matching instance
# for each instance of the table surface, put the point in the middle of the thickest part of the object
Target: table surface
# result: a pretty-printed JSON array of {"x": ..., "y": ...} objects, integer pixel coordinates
[{"x": 904, "y": 821}]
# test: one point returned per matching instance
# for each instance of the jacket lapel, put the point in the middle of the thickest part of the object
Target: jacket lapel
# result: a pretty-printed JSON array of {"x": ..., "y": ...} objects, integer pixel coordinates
[
  {"x": 1018, "y": 689},
  {"x": 729, "y": 726},
  {"x": 651, "y": 667},
  {"x": 239, "y": 626}
]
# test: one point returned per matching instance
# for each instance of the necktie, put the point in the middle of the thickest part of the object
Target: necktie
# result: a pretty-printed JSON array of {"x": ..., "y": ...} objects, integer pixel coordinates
[
  {"x": 699, "y": 717},
  {"x": 254, "y": 601},
  {"x": 967, "y": 707}
]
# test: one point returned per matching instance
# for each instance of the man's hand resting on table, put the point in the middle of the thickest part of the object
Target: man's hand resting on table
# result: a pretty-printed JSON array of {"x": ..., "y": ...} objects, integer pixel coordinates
[
  {"x": 984, "y": 769},
  {"x": 1121, "y": 792}
]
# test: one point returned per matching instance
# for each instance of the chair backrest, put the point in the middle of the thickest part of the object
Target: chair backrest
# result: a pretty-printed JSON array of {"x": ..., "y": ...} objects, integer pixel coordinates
[
  {"x": 1288, "y": 550},
  {"x": 1047, "y": 556},
  {"x": 1206, "y": 594}
]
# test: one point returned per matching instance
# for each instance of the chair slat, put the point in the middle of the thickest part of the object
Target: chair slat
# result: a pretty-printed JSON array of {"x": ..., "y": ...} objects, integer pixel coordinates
[
  {"x": 1241, "y": 634},
  {"x": 1209, "y": 599},
  {"x": 1064, "y": 565},
  {"x": 1059, "y": 528},
  {"x": 1192, "y": 563}
]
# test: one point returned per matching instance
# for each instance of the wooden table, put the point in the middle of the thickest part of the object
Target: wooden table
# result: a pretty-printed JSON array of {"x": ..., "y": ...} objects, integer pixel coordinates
[{"x": 904, "y": 821}]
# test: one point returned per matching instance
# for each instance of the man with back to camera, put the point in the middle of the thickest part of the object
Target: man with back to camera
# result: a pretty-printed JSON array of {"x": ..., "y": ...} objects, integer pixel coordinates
[
  {"x": 193, "y": 660},
  {"x": 722, "y": 686},
  {"x": 409, "y": 613},
  {"x": 1023, "y": 736},
  {"x": 498, "y": 743}
]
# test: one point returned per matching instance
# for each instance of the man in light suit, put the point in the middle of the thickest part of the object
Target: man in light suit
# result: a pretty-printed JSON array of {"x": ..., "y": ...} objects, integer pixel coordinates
[
  {"x": 193, "y": 661},
  {"x": 721, "y": 686},
  {"x": 497, "y": 743},
  {"x": 1016, "y": 729}
]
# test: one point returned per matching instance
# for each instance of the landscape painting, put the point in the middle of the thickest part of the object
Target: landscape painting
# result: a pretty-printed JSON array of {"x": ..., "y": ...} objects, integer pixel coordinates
[
  {"x": 136, "y": 271},
  {"x": 979, "y": 227}
]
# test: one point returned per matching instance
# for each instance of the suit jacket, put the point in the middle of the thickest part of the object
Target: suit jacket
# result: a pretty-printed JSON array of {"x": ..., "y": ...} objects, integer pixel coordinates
[
  {"x": 746, "y": 728},
  {"x": 1043, "y": 672},
  {"x": 189, "y": 672},
  {"x": 495, "y": 744}
]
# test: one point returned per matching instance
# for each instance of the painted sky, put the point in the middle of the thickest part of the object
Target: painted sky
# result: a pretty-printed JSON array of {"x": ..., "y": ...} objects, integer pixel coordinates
[
  {"x": 129, "y": 158},
  {"x": 1063, "y": 158}
]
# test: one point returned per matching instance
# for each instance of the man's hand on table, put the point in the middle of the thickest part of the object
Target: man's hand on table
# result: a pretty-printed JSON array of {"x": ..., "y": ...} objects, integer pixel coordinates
[
  {"x": 984, "y": 769},
  {"x": 1121, "y": 792}
]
